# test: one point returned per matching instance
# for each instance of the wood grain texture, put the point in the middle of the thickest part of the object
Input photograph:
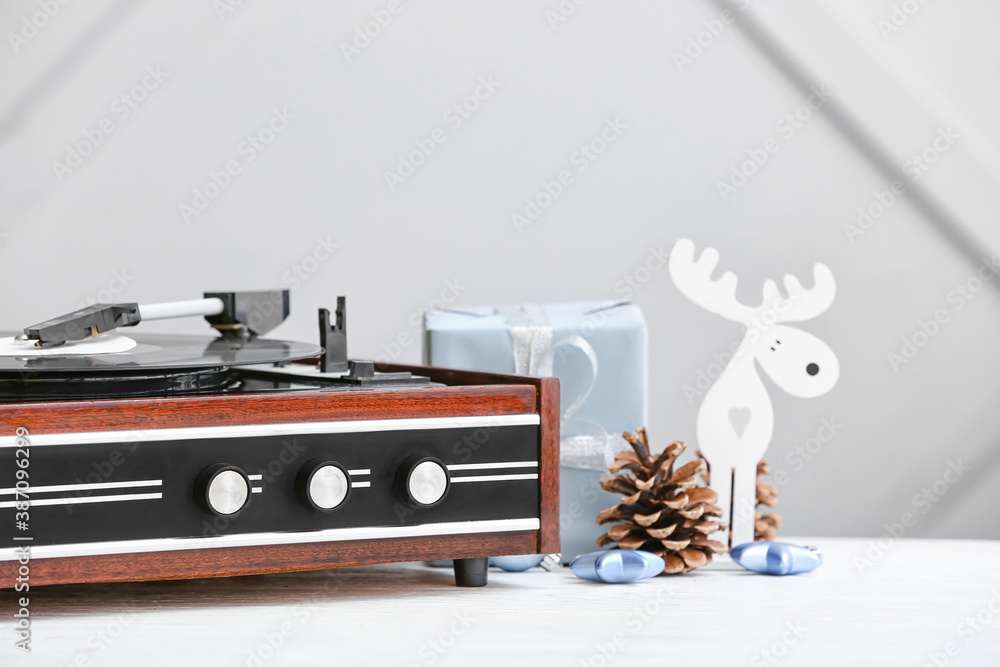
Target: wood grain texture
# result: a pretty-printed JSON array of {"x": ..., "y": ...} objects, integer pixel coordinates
[
  {"x": 475, "y": 394},
  {"x": 547, "y": 407},
  {"x": 293, "y": 407},
  {"x": 236, "y": 561},
  {"x": 469, "y": 394},
  {"x": 548, "y": 466}
]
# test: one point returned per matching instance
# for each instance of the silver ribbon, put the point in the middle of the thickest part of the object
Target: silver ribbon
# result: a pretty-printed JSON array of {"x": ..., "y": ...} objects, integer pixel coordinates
[
  {"x": 587, "y": 445},
  {"x": 583, "y": 444},
  {"x": 531, "y": 339}
]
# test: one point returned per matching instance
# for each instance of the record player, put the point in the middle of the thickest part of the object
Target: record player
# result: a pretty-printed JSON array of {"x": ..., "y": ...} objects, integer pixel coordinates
[{"x": 135, "y": 456}]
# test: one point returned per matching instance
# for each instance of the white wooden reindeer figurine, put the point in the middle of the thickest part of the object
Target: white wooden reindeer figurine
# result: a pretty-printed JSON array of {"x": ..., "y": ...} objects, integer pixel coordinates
[{"x": 798, "y": 362}]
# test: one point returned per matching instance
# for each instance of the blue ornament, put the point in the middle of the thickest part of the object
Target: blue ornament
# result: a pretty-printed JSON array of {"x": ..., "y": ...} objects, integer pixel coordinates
[
  {"x": 777, "y": 558},
  {"x": 617, "y": 566},
  {"x": 517, "y": 563}
]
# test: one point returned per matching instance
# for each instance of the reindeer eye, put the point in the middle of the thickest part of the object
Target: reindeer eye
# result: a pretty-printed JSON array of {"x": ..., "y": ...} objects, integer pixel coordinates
[{"x": 812, "y": 369}]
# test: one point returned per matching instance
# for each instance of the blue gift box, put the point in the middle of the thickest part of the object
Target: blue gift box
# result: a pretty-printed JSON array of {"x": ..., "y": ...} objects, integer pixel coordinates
[{"x": 599, "y": 353}]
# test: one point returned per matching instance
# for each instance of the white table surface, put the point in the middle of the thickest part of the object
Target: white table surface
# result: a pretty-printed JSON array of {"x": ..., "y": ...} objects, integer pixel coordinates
[{"x": 912, "y": 603}]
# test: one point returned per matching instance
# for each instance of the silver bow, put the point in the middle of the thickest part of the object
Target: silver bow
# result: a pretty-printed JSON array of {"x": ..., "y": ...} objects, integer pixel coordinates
[{"x": 584, "y": 444}]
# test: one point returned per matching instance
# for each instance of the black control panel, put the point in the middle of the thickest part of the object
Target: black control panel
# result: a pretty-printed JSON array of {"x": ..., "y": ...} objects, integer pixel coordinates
[{"x": 243, "y": 484}]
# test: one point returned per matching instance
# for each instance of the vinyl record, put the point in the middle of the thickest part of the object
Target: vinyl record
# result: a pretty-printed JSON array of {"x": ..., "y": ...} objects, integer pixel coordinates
[
  {"x": 162, "y": 352},
  {"x": 150, "y": 365}
]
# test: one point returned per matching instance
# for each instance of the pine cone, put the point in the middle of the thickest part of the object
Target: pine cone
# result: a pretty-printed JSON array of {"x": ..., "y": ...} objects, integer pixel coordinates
[
  {"x": 663, "y": 510},
  {"x": 764, "y": 525}
]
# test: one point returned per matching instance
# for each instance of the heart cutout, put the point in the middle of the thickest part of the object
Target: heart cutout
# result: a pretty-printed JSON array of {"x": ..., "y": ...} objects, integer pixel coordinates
[{"x": 740, "y": 419}]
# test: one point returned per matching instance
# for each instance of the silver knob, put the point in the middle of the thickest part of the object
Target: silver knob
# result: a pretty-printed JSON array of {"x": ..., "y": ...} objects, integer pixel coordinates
[
  {"x": 423, "y": 481},
  {"x": 324, "y": 484},
  {"x": 225, "y": 489}
]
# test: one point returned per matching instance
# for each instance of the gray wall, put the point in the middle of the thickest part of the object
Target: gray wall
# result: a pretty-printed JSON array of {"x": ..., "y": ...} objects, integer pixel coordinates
[{"x": 446, "y": 232}]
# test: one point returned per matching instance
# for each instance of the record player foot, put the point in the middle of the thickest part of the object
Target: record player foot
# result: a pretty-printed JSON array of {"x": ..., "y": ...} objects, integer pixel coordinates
[{"x": 471, "y": 571}]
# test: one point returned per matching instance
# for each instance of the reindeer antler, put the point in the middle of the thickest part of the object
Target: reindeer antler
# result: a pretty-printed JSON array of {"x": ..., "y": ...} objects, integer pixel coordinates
[
  {"x": 694, "y": 280},
  {"x": 805, "y": 304}
]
